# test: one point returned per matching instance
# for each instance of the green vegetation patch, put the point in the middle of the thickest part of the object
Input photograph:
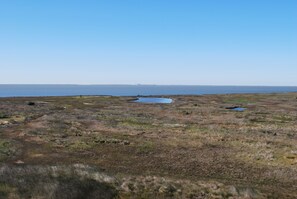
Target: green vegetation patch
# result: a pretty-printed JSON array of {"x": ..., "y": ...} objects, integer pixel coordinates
[
  {"x": 80, "y": 146},
  {"x": 136, "y": 123},
  {"x": 146, "y": 147},
  {"x": 7, "y": 149},
  {"x": 5, "y": 190},
  {"x": 283, "y": 118},
  {"x": 238, "y": 101},
  {"x": 3, "y": 115},
  {"x": 103, "y": 140}
]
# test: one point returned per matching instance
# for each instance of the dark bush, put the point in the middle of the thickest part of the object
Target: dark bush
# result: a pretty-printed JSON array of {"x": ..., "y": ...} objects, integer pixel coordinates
[
  {"x": 31, "y": 103},
  {"x": 3, "y": 115}
]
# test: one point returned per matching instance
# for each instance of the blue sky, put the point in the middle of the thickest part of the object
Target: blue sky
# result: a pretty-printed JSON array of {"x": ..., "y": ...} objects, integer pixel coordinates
[{"x": 185, "y": 42}]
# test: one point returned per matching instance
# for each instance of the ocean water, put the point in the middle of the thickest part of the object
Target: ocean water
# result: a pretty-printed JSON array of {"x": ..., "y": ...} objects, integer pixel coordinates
[{"x": 131, "y": 90}]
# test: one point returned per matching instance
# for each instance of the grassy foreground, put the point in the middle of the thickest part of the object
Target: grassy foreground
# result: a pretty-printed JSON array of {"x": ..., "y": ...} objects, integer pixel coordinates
[{"x": 110, "y": 147}]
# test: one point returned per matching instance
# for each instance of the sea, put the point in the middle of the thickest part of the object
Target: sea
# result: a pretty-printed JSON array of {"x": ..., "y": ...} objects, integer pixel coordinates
[{"x": 9, "y": 90}]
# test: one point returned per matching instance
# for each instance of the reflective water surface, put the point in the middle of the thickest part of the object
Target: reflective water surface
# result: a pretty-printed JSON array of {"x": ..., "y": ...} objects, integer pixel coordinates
[
  {"x": 154, "y": 100},
  {"x": 239, "y": 109},
  {"x": 236, "y": 108},
  {"x": 7, "y": 90}
]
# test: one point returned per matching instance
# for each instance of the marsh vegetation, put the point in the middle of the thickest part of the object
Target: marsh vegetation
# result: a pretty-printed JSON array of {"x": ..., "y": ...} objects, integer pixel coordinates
[{"x": 192, "y": 148}]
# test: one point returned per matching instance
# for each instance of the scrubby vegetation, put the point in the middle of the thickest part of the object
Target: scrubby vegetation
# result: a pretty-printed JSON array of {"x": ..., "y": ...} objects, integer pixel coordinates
[
  {"x": 192, "y": 148},
  {"x": 3, "y": 115}
]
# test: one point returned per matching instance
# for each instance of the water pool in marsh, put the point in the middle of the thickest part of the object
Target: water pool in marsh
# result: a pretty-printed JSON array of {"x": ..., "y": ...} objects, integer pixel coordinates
[{"x": 153, "y": 100}]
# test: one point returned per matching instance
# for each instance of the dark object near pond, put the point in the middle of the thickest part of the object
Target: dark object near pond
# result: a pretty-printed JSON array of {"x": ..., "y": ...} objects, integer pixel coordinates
[
  {"x": 236, "y": 108},
  {"x": 153, "y": 100},
  {"x": 31, "y": 103}
]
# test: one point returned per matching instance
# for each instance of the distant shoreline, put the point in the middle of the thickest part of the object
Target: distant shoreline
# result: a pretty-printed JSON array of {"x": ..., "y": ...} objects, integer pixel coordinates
[
  {"x": 1, "y": 84},
  {"x": 143, "y": 96},
  {"x": 136, "y": 90}
]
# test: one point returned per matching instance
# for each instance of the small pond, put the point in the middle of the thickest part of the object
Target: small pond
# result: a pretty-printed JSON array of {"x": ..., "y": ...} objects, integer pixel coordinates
[
  {"x": 239, "y": 109},
  {"x": 154, "y": 100},
  {"x": 236, "y": 108}
]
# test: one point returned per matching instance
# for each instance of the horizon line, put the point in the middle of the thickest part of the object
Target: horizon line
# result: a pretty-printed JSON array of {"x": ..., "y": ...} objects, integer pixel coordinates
[{"x": 68, "y": 84}]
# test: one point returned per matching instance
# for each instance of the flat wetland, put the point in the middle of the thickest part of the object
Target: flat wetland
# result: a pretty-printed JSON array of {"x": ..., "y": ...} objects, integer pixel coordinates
[{"x": 112, "y": 147}]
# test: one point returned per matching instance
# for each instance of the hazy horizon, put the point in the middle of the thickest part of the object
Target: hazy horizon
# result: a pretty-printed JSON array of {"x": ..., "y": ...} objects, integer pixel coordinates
[
  {"x": 219, "y": 43},
  {"x": 73, "y": 84}
]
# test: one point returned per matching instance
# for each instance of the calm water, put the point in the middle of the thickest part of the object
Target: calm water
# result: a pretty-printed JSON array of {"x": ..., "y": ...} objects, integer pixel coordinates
[
  {"x": 131, "y": 90},
  {"x": 240, "y": 109},
  {"x": 154, "y": 100}
]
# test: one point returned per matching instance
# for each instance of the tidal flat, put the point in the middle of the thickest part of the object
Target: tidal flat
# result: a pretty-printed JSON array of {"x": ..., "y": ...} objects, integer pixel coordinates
[{"x": 112, "y": 147}]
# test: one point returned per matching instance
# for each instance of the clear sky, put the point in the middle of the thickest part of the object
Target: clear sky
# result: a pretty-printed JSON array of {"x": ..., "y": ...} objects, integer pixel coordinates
[{"x": 186, "y": 42}]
